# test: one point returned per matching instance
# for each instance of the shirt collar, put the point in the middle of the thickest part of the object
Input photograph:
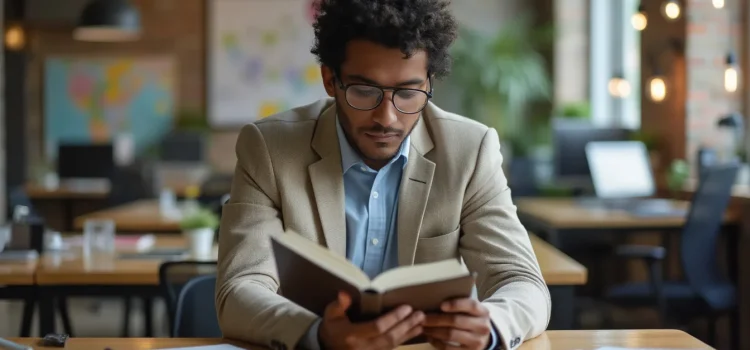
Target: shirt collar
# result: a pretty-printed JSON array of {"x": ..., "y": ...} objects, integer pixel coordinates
[{"x": 349, "y": 156}]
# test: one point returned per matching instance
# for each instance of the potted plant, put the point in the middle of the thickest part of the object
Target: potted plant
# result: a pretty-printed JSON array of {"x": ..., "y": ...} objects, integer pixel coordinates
[
  {"x": 575, "y": 110},
  {"x": 199, "y": 228},
  {"x": 501, "y": 75},
  {"x": 679, "y": 172}
]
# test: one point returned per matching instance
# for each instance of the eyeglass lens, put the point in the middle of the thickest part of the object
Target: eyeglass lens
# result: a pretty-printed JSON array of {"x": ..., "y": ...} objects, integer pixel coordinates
[{"x": 368, "y": 97}]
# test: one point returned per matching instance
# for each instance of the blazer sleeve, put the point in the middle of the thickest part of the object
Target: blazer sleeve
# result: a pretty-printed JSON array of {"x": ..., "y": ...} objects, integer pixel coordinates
[
  {"x": 248, "y": 305},
  {"x": 496, "y": 246}
]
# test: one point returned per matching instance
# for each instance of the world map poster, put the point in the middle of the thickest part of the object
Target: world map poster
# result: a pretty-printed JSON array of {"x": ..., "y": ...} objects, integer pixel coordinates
[
  {"x": 259, "y": 59},
  {"x": 96, "y": 99}
]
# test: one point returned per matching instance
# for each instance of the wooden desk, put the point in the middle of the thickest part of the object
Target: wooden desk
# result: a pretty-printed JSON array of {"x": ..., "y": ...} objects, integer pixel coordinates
[
  {"x": 565, "y": 213},
  {"x": 71, "y": 268},
  {"x": 138, "y": 216},
  {"x": 13, "y": 273},
  {"x": 550, "y": 340},
  {"x": 66, "y": 191},
  {"x": 557, "y": 268}
]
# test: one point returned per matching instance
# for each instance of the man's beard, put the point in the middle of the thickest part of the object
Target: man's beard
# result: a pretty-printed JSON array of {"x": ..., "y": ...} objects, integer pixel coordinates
[{"x": 377, "y": 128}]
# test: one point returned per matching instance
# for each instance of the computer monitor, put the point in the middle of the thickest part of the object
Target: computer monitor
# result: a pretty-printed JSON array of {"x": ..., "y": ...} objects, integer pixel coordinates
[
  {"x": 85, "y": 161},
  {"x": 570, "y": 138},
  {"x": 620, "y": 169}
]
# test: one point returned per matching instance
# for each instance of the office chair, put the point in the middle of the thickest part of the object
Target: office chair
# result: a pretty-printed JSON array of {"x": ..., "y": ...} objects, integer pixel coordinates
[
  {"x": 17, "y": 196},
  {"x": 195, "y": 316},
  {"x": 705, "y": 292},
  {"x": 174, "y": 277}
]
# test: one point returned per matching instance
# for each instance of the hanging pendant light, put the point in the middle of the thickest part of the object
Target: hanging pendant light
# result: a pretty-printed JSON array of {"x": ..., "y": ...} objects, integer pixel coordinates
[
  {"x": 639, "y": 20},
  {"x": 108, "y": 21},
  {"x": 671, "y": 10}
]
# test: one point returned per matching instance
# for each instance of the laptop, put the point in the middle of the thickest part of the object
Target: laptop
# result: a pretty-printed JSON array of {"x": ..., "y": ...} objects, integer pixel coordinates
[{"x": 622, "y": 179}]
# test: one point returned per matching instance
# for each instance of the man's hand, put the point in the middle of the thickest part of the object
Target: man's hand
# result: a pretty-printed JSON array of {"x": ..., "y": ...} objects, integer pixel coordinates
[
  {"x": 387, "y": 332},
  {"x": 464, "y": 324}
]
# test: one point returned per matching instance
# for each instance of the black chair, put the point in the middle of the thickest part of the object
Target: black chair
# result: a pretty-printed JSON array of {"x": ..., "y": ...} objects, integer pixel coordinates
[
  {"x": 705, "y": 292},
  {"x": 195, "y": 316},
  {"x": 17, "y": 196},
  {"x": 174, "y": 276}
]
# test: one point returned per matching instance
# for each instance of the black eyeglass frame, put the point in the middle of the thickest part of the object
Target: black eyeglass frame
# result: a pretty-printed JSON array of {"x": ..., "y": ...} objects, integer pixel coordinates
[{"x": 382, "y": 95}]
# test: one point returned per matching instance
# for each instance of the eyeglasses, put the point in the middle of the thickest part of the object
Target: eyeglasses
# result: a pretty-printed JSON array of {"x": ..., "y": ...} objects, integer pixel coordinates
[{"x": 366, "y": 97}]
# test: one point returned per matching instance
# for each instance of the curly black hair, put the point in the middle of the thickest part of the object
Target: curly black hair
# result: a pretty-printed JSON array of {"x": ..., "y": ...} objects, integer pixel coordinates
[{"x": 409, "y": 25}]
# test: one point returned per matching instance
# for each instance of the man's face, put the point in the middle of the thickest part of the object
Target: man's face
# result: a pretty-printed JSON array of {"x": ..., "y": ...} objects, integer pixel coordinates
[{"x": 377, "y": 134}]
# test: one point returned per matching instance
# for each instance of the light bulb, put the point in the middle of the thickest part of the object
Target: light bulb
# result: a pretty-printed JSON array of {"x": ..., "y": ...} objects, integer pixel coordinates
[
  {"x": 731, "y": 79},
  {"x": 619, "y": 87},
  {"x": 671, "y": 9},
  {"x": 731, "y": 75},
  {"x": 719, "y": 4},
  {"x": 639, "y": 20},
  {"x": 658, "y": 89},
  {"x": 14, "y": 38}
]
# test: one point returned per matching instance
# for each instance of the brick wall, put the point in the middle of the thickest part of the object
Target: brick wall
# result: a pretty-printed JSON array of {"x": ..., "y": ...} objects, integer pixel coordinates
[
  {"x": 711, "y": 33},
  {"x": 170, "y": 27}
]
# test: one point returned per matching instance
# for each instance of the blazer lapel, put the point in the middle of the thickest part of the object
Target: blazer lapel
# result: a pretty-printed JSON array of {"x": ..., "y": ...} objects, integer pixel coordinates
[
  {"x": 414, "y": 192},
  {"x": 327, "y": 181}
]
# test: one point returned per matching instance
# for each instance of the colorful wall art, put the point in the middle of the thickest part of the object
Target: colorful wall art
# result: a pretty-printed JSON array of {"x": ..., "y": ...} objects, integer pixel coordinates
[{"x": 259, "y": 59}]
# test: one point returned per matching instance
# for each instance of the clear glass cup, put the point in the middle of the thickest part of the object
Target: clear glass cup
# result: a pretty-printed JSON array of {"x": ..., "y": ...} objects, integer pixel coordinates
[{"x": 99, "y": 237}]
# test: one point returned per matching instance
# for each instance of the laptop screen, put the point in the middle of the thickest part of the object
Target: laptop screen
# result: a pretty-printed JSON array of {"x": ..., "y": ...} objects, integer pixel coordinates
[{"x": 620, "y": 169}]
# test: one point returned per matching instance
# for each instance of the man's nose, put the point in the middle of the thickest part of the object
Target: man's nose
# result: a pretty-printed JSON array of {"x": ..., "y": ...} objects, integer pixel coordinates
[{"x": 386, "y": 113}]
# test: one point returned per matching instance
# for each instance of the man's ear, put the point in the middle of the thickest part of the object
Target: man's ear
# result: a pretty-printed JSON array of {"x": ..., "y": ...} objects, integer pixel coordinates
[{"x": 329, "y": 80}]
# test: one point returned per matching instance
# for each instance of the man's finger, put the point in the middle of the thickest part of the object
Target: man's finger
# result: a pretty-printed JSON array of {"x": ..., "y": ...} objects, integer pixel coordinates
[
  {"x": 337, "y": 309},
  {"x": 455, "y": 337},
  {"x": 383, "y": 323},
  {"x": 465, "y": 305},
  {"x": 478, "y": 325},
  {"x": 401, "y": 332}
]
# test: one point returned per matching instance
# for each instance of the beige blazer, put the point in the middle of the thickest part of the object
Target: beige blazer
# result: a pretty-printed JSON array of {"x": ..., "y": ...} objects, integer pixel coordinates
[{"x": 453, "y": 201}]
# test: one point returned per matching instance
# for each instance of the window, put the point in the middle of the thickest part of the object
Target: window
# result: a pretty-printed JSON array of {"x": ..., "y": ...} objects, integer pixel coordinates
[{"x": 615, "y": 51}]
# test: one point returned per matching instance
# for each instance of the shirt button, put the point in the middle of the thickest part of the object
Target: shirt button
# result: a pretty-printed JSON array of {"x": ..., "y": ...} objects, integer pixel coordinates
[
  {"x": 363, "y": 169},
  {"x": 375, "y": 195},
  {"x": 375, "y": 241}
]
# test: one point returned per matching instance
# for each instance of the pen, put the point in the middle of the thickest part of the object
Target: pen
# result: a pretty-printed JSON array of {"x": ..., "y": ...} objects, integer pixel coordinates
[{"x": 9, "y": 345}]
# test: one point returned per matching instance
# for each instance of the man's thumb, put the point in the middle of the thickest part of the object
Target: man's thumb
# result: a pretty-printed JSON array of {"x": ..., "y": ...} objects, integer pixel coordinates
[{"x": 337, "y": 309}]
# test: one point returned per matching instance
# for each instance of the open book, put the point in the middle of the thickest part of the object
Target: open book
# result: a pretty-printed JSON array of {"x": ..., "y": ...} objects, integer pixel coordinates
[{"x": 311, "y": 276}]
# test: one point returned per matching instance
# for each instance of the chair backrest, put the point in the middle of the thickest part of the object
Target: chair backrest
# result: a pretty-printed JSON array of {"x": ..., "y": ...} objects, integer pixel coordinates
[
  {"x": 128, "y": 185},
  {"x": 175, "y": 275},
  {"x": 702, "y": 228},
  {"x": 195, "y": 316}
]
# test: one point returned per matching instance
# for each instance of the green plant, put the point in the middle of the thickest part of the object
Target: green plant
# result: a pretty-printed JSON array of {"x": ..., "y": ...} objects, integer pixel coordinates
[
  {"x": 501, "y": 74},
  {"x": 575, "y": 110},
  {"x": 649, "y": 140},
  {"x": 191, "y": 120},
  {"x": 203, "y": 218},
  {"x": 679, "y": 172}
]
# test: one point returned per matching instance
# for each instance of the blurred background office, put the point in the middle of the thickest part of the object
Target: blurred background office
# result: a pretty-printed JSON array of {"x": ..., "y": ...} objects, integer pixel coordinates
[{"x": 622, "y": 124}]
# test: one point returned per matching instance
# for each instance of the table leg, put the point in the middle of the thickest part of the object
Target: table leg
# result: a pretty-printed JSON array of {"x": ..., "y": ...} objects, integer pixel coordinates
[
  {"x": 148, "y": 305},
  {"x": 563, "y": 308},
  {"x": 28, "y": 315},
  {"x": 46, "y": 313}
]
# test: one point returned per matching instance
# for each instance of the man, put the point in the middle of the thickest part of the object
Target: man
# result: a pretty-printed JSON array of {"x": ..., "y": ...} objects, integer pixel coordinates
[{"x": 380, "y": 175}]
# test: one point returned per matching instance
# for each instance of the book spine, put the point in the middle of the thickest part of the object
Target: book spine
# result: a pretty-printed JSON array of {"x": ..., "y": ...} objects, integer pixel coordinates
[{"x": 371, "y": 304}]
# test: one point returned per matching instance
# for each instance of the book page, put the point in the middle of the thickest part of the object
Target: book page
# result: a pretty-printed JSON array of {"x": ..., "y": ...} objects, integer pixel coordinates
[
  {"x": 419, "y": 274},
  {"x": 324, "y": 258}
]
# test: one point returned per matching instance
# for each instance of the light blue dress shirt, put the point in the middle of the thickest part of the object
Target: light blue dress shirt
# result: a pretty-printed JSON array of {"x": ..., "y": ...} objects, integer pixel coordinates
[{"x": 371, "y": 206}]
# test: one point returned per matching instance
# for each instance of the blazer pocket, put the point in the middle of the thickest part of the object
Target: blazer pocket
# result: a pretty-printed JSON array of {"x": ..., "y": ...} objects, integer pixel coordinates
[{"x": 436, "y": 248}]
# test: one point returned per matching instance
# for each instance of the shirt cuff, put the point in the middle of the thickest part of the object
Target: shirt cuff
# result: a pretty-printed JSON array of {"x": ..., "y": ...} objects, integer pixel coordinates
[
  {"x": 494, "y": 338},
  {"x": 310, "y": 340}
]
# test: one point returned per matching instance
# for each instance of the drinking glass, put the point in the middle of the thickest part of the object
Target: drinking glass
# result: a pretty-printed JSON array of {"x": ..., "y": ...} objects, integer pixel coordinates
[{"x": 98, "y": 237}]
